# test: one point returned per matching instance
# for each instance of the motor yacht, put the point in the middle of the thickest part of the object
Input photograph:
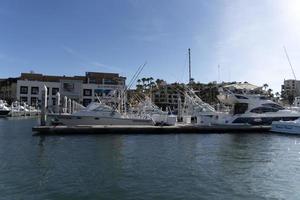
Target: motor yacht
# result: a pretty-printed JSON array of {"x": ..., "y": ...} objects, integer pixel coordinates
[{"x": 251, "y": 108}]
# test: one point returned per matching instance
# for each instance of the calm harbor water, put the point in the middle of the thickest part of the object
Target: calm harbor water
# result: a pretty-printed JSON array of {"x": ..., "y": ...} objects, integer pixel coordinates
[{"x": 173, "y": 166}]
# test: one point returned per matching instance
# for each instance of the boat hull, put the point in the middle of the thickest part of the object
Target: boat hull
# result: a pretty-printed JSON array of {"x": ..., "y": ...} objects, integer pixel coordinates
[
  {"x": 69, "y": 120},
  {"x": 286, "y": 127},
  {"x": 4, "y": 112}
]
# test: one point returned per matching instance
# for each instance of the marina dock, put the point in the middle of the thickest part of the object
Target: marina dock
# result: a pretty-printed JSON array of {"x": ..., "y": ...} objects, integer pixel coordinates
[{"x": 117, "y": 129}]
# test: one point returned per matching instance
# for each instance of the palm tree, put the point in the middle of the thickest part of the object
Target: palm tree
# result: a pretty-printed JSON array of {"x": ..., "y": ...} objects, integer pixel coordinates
[
  {"x": 144, "y": 80},
  {"x": 265, "y": 86}
]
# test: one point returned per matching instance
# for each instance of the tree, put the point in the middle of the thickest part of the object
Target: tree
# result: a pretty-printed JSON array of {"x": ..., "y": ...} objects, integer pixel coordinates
[{"x": 265, "y": 86}]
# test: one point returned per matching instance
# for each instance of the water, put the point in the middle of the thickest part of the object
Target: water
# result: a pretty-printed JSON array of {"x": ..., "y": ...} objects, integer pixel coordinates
[{"x": 173, "y": 166}]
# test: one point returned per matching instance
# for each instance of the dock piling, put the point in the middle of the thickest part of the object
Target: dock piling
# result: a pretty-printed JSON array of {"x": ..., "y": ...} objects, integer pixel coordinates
[
  {"x": 57, "y": 106},
  {"x": 44, "y": 106},
  {"x": 69, "y": 106}
]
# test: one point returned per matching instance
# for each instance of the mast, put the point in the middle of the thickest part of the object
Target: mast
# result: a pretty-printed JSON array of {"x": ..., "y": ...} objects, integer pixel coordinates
[
  {"x": 190, "y": 68},
  {"x": 219, "y": 80},
  {"x": 295, "y": 78}
]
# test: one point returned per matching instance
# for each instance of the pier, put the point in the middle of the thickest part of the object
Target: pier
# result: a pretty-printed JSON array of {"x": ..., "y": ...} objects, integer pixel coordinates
[{"x": 117, "y": 129}]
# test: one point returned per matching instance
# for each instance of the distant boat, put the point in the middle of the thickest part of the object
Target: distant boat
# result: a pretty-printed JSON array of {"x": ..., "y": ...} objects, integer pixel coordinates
[{"x": 4, "y": 109}]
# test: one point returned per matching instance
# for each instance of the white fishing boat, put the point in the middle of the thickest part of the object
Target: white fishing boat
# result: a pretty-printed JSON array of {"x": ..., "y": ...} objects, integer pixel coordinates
[
  {"x": 197, "y": 112},
  {"x": 147, "y": 108},
  {"x": 289, "y": 127},
  {"x": 98, "y": 114}
]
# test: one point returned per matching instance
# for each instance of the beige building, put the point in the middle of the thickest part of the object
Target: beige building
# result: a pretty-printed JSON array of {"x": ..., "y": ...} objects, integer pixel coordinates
[
  {"x": 83, "y": 89},
  {"x": 289, "y": 88}
]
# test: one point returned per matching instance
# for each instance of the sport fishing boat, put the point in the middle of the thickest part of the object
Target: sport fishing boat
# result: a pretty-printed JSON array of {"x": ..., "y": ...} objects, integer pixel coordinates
[
  {"x": 146, "y": 108},
  {"x": 97, "y": 114},
  {"x": 197, "y": 112},
  {"x": 253, "y": 109},
  {"x": 289, "y": 127}
]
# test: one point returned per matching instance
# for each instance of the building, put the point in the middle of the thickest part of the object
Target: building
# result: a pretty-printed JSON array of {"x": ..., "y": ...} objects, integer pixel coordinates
[
  {"x": 83, "y": 89},
  {"x": 290, "y": 89},
  {"x": 168, "y": 97}
]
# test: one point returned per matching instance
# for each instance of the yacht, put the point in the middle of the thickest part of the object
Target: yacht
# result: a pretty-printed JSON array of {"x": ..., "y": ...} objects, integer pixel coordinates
[
  {"x": 4, "y": 108},
  {"x": 97, "y": 114},
  {"x": 289, "y": 127},
  {"x": 252, "y": 108}
]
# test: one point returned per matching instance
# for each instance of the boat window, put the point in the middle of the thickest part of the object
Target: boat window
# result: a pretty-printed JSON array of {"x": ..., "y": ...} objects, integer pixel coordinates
[
  {"x": 240, "y": 108},
  {"x": 263, "y": 98},
  {"x": 273, "y": 105},
  {"x": 240, "y": 97},
  {"x": 263, "y": 110}
]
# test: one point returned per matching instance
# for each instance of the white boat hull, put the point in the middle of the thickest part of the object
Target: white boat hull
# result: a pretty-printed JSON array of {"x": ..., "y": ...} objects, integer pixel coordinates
[
  {"x": 70, "y": 120},
  {"x": 289, "y": 127}
]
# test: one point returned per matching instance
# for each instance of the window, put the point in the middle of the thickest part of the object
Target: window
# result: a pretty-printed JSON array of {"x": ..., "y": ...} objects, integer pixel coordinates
[
  {"x": 34, "y": 90},
  {"x": 34, "y": 101},
  {"x": 86, "y": 102},
  {"x": 53, "y": 101},
  {"x": 240, "y": 97},
  {"x": 263, "y": 98},
  {"x": 240, "y": 108},
  {"x": 69, "y": 87},
  {"x": 109, "y": 82},
  {"x": 55, "y": 91},
  {"x": 87, "y": 92},
  {"x": 98, "y": 92},
  {"x": 23, "y": 99},
  {"x": 23, "y": 90},
  {"x": 273, "y": 105},
  {"x": 263, "y": 110}
]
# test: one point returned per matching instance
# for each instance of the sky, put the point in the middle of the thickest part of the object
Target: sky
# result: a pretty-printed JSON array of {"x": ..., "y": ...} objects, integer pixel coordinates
[{"x": 69, "y": 37}]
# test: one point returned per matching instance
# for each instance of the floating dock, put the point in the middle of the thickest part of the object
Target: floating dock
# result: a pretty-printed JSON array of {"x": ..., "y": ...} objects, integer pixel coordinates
[{"x": 117, "y": 129}]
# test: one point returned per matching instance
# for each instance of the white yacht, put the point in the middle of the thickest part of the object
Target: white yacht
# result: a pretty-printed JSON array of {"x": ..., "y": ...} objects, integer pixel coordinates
[
  {"x": 290, "y": 127},
  {"x": 4, "y": 108},
  {"x": 97, "y": 114},
  {"x": 253, "y": 109}
]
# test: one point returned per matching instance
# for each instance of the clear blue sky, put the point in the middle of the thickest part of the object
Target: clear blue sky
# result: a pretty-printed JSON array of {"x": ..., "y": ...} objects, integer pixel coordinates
[{"x": 245, "y": 37}]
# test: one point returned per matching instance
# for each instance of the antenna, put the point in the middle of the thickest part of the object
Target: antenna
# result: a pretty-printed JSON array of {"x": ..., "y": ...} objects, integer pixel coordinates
[
  {"x": 190, "y": 68},
  {"x": 219, "y": 74},
  {"x": 288, "y": 58}
]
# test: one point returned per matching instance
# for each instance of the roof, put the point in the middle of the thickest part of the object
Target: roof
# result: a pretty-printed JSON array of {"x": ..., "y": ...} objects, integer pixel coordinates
[{"x": 242, "y": 86}]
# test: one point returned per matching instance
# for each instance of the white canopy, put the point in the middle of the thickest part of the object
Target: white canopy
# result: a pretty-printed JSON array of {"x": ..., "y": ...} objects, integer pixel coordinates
[{"x": 242, "y": 86}]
